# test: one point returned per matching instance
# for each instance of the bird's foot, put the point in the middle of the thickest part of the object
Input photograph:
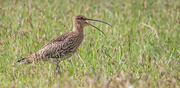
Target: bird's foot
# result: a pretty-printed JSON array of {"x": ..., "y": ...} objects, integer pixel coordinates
[{"x": 57, "y": 70}]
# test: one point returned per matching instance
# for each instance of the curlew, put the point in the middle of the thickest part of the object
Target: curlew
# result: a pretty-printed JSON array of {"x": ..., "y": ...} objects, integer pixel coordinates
[{"x": 64, "y": 46}]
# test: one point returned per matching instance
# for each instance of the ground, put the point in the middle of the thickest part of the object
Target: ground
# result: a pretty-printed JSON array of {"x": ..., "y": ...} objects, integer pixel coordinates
[{"x": 141, "y": 50}]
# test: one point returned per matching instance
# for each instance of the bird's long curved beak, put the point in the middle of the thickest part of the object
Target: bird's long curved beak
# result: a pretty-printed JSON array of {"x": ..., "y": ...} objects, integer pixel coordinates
[{"x": 96, "y": 27}]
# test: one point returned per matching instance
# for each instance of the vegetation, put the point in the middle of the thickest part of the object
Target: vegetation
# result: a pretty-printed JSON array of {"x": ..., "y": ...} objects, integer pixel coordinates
[{"x": 141, "y": 50}]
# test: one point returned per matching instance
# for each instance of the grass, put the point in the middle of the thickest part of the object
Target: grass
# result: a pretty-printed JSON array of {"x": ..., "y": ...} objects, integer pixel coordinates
[{"x": 142, "y": 49}]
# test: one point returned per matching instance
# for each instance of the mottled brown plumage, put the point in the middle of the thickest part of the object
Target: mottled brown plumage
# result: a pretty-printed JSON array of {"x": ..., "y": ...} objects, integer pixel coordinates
[{"x": 62, "y": 47}]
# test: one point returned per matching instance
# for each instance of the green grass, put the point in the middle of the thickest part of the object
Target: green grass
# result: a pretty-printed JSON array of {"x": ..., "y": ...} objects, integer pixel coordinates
[{"x": 142, "y": 49}]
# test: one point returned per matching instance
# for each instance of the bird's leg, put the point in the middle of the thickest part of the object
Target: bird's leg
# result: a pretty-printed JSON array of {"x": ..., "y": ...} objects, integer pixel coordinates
[{"x": 57, "y": 70}]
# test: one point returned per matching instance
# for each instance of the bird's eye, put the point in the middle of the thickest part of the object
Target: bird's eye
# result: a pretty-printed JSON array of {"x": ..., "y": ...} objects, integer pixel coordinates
[{"x": 81, "y": 18}]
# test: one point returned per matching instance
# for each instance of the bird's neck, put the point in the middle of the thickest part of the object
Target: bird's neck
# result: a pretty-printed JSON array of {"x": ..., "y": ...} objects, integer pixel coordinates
[{"x": 78, "y": 29}]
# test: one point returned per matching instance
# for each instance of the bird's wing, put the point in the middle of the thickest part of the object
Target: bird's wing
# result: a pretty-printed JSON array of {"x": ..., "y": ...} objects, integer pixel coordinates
[
  {"x": 48, "y": 50},
  {"x": 58, "y": 39},
  {"x": 55, "y": 48}
]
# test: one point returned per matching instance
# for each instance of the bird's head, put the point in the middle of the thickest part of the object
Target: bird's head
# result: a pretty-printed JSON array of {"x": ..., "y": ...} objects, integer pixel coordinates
[{"x": 80, "y": 21}]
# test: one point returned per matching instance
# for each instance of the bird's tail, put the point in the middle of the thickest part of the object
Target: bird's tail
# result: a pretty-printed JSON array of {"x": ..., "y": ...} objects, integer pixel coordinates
[
  {"x": 29, "y": 59},
  {"x": 24, "y": 60}
]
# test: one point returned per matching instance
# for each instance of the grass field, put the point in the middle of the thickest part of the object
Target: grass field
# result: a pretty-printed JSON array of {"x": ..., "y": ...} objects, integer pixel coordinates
[{"x": 141, "y": 50}]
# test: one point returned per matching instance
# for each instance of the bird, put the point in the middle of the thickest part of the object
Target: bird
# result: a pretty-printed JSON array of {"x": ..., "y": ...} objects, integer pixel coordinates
[{"x": 63, "y": 46}]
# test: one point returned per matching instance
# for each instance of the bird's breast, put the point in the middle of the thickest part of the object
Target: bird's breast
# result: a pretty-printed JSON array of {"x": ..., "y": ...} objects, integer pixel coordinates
[{"x": 73, "y": 42}]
